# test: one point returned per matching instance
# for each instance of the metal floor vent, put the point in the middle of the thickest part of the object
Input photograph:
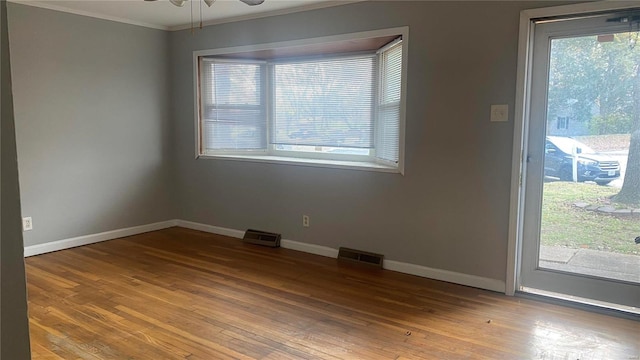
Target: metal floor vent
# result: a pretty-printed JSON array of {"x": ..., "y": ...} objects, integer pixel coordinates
[
  {"x": 360, "y": 256},
  {"x": 263, "y": 238}
]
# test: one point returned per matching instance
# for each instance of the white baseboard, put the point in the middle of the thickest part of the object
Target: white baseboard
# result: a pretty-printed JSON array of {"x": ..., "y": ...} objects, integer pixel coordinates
[
  {"x": 310, "y": 248},
  {"x": 287, "y": 244},
  {"x": 94, "y": 238},
  {"x": 446, "y": 275},
  {"x": 406, "y": 268},
  {"x": 210, "y": 229},
  {"x": 412, "y": 269}
]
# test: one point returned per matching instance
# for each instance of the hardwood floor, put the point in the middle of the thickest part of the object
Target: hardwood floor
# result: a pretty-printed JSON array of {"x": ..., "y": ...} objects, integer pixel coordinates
[{"x": 183, "y": 294}]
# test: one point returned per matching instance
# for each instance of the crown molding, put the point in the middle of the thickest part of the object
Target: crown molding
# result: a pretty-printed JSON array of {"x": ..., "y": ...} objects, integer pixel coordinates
[
  {"x": 49, "y": 6},
  {"x": 315, "y": 6},
  {"x": 292, "y": 10}
]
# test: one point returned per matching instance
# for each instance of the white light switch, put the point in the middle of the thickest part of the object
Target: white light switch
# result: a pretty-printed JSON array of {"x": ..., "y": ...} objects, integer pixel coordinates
[{"x": 499, "y": 112}]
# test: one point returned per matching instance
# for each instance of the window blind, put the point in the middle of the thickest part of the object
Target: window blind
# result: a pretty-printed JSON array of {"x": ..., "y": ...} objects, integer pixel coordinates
[
  {"x": 232, "y": 105},
  {"x": 388, "y": 123},
  {"x": 324, "y": 102}
]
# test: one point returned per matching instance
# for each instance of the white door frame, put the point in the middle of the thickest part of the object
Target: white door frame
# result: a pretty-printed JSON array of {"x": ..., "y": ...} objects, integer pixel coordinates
[{"x": 521, "y": 121}]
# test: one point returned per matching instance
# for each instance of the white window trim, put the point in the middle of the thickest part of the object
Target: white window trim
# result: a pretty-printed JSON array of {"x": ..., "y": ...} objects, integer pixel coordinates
[
  {"x": 521, "y": 117},
  {"x": 345, "y": 162}
]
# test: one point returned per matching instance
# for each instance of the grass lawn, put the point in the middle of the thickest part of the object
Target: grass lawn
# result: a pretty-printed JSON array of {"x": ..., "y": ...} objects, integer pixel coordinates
[{"x": 565, "y": 225}]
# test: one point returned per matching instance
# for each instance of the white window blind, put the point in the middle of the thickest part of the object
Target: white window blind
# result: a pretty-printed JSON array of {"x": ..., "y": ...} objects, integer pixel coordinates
[
  {"x": 388, "y": 127},
  {"x": 305, "y": 104},
  {"x": 232, "y": 105},
  {"x": 324, "y": 102}
]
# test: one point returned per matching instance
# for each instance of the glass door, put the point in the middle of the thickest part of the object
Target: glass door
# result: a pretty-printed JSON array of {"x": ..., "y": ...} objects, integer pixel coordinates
[{"x": 581, "y": 220}]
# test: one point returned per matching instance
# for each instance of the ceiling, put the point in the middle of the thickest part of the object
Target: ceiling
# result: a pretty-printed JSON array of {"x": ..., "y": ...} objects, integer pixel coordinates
[{"x": 162, "y": 14}]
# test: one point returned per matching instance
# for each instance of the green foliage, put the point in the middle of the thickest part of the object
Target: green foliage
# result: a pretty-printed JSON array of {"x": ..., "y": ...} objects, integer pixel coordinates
[
  {"x": 597, "y": 80},
  {"x": 616, "y": 123},
  {"x": 565, "y": 225},
  {"x": 592, "y": 81}
]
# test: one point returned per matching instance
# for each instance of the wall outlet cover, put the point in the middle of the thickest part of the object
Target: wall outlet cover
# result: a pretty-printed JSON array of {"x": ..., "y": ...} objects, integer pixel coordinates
[{"x": 27, "y": 223}]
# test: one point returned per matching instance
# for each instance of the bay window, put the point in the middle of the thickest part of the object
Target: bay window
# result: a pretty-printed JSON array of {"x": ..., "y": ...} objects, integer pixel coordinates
[{"x": 309, "y": 104}]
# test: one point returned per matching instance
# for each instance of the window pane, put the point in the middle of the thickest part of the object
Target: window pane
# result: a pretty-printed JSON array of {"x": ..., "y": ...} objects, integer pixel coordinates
[
  {"x": 232, "y": 83},
  {"x": 392, "y": 64},
  {"x": 324, "y": 103},
  {"x": 233, "y": 115},
  {"x": 388, "y": 133},
  {"x": 234, "y": 129}
]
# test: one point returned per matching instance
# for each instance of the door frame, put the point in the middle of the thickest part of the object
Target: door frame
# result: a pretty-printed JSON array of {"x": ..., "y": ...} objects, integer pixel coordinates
[{"x": 521, "y": 122}]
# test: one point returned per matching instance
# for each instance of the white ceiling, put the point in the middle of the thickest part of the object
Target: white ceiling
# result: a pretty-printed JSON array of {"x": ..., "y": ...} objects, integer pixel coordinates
[{"x": 162, "y": 14}]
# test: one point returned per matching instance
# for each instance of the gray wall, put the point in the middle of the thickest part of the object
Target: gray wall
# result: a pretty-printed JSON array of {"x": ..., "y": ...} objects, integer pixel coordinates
[
  {"x": 451, "y": 209},
  {"x": 14, "y": 331},
  {"x": 101, "y": 147},
  {"x": 92, "y": 119}
]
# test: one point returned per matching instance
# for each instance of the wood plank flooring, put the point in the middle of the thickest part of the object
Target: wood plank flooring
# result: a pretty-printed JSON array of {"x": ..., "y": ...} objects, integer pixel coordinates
[{"x": 183, "y": 294}]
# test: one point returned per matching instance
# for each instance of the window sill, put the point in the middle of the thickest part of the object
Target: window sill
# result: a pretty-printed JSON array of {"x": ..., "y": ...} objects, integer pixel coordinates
[{"x": 335, "y": 164}]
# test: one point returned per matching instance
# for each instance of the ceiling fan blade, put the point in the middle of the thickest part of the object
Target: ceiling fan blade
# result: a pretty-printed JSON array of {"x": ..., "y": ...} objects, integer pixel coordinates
[
  {"x": 209, "y": 2},
  {"x": 252, "y": 2},
  {"x": 178, "y": 3}
]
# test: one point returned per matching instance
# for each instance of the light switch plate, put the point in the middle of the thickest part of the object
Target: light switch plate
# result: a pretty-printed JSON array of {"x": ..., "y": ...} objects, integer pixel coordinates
[{"x": 499, "y": 112}]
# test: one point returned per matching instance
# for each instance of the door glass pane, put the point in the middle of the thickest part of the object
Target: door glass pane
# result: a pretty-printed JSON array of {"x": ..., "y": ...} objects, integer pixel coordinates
[{"x": 591, "y": 199}]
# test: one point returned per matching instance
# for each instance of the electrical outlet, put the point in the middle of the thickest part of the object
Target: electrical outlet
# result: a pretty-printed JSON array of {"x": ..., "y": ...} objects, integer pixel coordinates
[
  {"x": 305, "y": 220},
  {"x": 27, "y": 223}
]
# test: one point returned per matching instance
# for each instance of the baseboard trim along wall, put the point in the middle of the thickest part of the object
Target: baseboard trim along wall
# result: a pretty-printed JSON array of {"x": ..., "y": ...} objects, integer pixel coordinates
[
  {"x": 446, "y": 275},
  {"x": 95, "y": 238},
  {"x": 287, "y": 244},
  {"x": 412, "y": 269}
]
